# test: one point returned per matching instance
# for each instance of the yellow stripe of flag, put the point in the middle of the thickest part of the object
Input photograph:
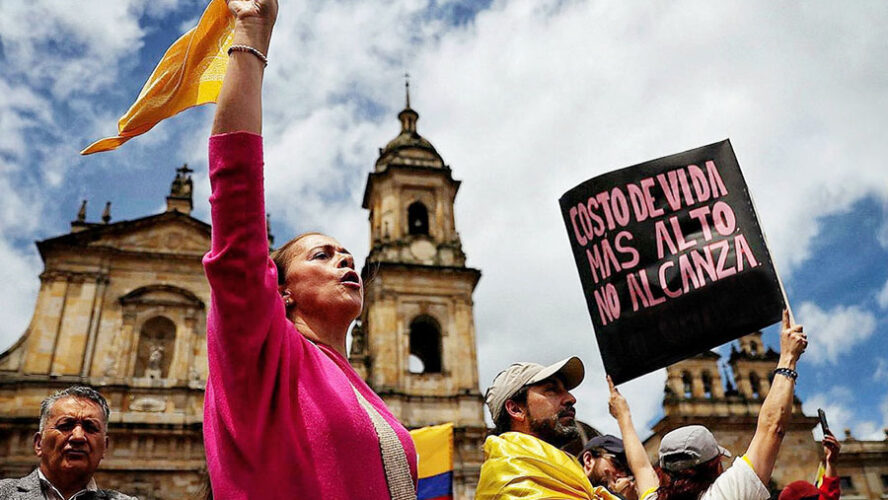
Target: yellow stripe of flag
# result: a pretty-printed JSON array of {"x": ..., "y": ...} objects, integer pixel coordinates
[{"x": 434, "y": 445}]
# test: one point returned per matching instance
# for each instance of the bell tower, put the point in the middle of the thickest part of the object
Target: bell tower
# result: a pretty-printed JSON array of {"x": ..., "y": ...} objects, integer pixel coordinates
[{"x": 415, "y": 341}]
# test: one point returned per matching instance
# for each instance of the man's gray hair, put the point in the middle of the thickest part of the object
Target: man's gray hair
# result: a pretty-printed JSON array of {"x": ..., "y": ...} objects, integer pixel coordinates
[{"x": 75, "y": 391}]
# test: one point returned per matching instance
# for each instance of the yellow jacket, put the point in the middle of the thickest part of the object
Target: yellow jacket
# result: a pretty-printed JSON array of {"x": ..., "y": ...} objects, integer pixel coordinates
[{"x": 518, "y": 465}]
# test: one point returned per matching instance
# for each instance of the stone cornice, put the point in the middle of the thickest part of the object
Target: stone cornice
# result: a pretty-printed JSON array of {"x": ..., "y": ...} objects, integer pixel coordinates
[{"x": 70, "y": 276}]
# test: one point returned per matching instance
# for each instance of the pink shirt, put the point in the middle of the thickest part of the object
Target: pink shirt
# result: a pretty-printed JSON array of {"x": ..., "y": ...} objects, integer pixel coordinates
[{"x": 280, "y": 417}]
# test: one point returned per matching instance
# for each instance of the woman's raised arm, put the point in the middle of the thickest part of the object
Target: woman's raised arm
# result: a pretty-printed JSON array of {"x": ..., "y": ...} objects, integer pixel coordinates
[
  {"x": 777, "y": 407},
  {"x": 239, "y": 106},
  {"x": 645, "y": 478}
]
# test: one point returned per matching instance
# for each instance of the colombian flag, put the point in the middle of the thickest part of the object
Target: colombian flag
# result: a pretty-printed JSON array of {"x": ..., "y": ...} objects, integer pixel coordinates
[{"x": 434, "y": 445}]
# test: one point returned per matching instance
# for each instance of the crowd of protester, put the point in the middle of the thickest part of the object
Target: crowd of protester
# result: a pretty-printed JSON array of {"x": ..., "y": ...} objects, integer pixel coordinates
[{"x": 286, "y": 416}]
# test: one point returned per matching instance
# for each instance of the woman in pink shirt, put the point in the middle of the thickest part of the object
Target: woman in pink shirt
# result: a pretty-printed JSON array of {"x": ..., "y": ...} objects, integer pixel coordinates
[{"x": 285, "y": 415}]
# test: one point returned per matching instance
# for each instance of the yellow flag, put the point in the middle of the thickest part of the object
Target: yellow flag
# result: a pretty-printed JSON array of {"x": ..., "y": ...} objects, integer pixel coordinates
[
  {"x": 518, "y": 465},
  {"x": 434, "y": 445},
  {"x": 189, "y": 74}
]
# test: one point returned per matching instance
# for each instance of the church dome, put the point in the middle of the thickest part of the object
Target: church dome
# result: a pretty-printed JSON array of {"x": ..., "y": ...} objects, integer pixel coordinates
[{"x": 409, "y": 148}]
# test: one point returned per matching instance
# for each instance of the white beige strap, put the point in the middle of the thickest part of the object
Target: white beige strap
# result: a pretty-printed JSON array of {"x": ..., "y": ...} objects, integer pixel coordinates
[{"x": 394, "y": 459}]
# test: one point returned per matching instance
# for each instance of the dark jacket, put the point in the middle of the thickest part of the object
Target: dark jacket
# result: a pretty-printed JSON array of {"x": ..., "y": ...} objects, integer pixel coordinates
[{"x": 28, "y": 488}]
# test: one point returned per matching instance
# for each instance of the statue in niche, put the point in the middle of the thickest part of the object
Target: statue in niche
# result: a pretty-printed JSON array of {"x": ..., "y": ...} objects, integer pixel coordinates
[{"x": 155, "y": 361}]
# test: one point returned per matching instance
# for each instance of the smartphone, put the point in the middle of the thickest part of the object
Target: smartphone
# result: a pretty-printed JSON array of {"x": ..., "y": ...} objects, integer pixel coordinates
[{"x": 824, "y": 427}]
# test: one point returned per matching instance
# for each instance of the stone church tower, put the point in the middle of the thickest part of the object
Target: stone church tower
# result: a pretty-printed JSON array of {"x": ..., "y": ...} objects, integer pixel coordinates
[
  {"x": 121, "y": 307},
  {"x": 696, "y": 394},
  {"x": 415, "y": 342}
]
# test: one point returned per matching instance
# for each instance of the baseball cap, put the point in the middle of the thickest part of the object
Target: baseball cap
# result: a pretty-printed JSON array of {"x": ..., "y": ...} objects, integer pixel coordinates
[
  {"x": 797, "y": 490},
  {"x": 607, "y": 442},
  {"x": 518, "y": 375},
  {"x": 687, "y": 447}
]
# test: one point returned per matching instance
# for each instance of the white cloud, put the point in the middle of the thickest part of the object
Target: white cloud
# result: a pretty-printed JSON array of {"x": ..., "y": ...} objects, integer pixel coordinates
[
  {"x": 21, "y": 109},
  {"x": 644, "y": 394},
  {"x": 838, "y": 403},
  {"x": 835, "y": 332},
  {"x": 881, "y": 372},
  {"x": 70, "y": 49},
  {"x": 884, "y": 409},
  {"x": 883, "y": 297},
  {"x": 21, "y": 269}
]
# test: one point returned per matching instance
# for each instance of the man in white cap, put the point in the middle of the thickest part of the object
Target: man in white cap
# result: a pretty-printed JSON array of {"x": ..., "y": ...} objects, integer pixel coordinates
[{"x": 532, "y": 410}]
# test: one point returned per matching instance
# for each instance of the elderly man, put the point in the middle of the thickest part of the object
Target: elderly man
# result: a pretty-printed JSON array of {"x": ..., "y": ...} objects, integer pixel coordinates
[
  {"x": 71, "y": 441},
  {"x": 533, "y": 415}
]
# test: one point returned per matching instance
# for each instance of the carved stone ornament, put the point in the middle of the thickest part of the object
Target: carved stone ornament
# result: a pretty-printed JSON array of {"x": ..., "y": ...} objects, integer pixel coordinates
[{"x": 148, "y": 404}]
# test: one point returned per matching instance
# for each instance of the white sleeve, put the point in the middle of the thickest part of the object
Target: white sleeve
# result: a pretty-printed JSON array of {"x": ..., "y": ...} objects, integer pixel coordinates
[{"x": 739, "y": 482}]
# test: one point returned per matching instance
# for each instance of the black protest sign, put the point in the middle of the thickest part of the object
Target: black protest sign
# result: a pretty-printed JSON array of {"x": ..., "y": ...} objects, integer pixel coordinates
[{"x": 672, "y": 259}]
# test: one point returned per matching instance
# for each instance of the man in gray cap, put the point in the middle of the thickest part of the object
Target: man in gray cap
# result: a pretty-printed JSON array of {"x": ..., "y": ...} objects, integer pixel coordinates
[
  {"x": 548, "y": 414},
  {"x": 533, "y": 415}
]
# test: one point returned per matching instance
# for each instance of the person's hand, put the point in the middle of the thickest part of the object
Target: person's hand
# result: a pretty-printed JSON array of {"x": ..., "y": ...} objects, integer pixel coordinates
[
  {"x": 792, "y": 340},
  {"x": 831, "y": 448},
  {"x": 616, "y": 404},
  {"x": 254, "y": 10},
  {"x": 623, "y": 486},
  {"x": 254, "y": 22}
]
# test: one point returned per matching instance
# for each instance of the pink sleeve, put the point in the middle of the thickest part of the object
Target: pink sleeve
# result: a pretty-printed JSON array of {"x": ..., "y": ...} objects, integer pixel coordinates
[{"x": 246, "y": 321}]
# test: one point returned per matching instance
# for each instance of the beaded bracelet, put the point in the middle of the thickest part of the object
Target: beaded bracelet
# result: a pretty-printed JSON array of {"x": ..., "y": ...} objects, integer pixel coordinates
[
  {"x": 787, "y": 372},
  {"x": 251, "y": 50}
]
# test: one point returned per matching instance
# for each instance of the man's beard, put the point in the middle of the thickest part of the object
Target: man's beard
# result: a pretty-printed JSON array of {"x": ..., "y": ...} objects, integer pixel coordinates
[{"x": 552, "y": 431}]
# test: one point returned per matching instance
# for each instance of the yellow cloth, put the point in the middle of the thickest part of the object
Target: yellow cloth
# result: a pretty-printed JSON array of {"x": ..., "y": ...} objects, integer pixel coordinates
[
  {"x": 434, "y": 446},
  {"x": 821, "y": 471},
  {"x": 189, "y": 74},
  {"x": 518, "y": 465}
]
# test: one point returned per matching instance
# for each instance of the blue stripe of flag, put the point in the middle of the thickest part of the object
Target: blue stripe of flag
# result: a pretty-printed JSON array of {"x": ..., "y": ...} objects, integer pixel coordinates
[{"x": 435, "y": 486}]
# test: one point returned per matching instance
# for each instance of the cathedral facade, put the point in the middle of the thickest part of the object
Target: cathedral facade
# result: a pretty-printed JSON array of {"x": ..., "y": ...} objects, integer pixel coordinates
[{"x": 122, "y": 308}]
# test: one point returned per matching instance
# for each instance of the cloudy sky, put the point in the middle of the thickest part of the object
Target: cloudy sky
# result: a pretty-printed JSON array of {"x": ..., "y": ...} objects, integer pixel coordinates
[{"x": 524, "y": 99}]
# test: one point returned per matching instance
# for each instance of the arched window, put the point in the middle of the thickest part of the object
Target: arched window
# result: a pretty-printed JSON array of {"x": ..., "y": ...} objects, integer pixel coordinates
[
  {"x": 686, "y": 384},
  {"x": 707, "y": 384},
  {"x": 753, "y": 348},
  {"x": 417, "y": 218},
  {"x": 425, "y": 345},
  {"x": 754, "y": 383},
  {"x": 157, "y": 340}
]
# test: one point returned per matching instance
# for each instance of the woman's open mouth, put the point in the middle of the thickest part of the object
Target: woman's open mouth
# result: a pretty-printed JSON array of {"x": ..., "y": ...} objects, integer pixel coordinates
[{"x": 351, "y": 280}]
